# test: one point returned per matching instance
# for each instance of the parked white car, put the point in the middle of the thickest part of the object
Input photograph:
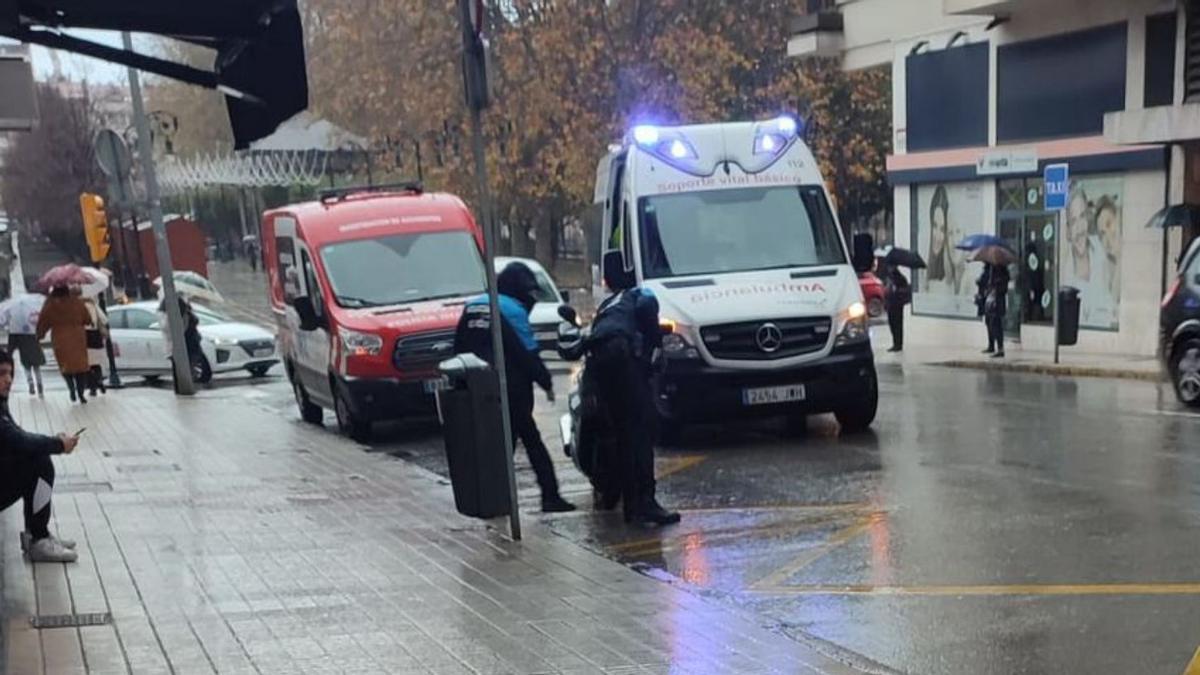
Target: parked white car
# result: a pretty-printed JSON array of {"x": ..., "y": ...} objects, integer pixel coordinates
[
  {"x": 544, "y": 318},
  {"x": 140, "y": 347}
]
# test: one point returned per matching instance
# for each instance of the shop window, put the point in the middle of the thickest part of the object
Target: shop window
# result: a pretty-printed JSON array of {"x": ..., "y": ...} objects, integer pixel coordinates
[
  {"x": 947, "y": 98},
  {"x": 945, "y": 213},
  {"x": 1160, "y": 60}
]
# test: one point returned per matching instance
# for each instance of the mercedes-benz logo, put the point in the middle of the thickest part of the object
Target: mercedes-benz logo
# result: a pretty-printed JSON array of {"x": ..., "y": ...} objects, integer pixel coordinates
[{"x": 769, "y": 338}]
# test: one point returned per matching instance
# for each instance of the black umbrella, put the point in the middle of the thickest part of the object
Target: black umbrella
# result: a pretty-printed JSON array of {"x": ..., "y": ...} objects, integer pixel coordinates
[
  {"x": 902, "y": 257},
  {"x": 1179, "y": 215}
]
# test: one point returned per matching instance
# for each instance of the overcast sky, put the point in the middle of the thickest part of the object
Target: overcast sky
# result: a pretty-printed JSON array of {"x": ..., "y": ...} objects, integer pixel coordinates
[{"x": 80, "y": 67}]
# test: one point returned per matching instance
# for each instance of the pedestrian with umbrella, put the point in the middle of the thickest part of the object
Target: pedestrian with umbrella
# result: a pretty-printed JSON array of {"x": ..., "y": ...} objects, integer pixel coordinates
[
  {"x": 995, "y": 305},
  {"x": 19, "y": 315},
  {"x": 66, "y": 319},
  {"x": 898, "y": 291}
]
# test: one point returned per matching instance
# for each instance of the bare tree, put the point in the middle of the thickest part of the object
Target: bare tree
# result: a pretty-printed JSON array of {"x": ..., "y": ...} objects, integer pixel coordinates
[{"x": 45, "y": 171}]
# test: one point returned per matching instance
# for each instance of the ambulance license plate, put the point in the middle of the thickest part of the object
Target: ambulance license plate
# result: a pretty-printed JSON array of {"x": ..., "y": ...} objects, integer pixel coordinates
[{"x": 771, "y": 395}]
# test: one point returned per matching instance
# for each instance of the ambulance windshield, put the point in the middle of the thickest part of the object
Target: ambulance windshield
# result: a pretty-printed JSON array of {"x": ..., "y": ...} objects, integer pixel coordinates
[
  {"x": 404, "y": 268},
  {"x": 737, "y": 230}
]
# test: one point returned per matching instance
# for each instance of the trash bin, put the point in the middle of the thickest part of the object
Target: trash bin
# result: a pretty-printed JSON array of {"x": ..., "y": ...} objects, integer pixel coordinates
[
  {"x": 474, "y": 435},
  {"x": 1068, "y": 315}
]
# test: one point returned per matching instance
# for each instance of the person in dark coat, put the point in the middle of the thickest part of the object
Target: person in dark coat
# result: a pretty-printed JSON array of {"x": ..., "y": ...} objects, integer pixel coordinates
[
  {"x": 995, "y": 307},
  {"x": 523, "y": 367},
  {"x": 27, "y": 473},
  {"x": 624, "y": 337},
  {"x": 981, "y": 293},
  {"x": 898, "y": 293}
]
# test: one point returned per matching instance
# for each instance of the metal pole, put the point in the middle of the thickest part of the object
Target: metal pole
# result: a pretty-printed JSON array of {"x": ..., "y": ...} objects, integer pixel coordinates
[
  {"x": 1058, "y": 274},
  {"x": 490, "y": 237},
  {"x": 183, "y": 368},
  {"x": 420, "y": 172}
]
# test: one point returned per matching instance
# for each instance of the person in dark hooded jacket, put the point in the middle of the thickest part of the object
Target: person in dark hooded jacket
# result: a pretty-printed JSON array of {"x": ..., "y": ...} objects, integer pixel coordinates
[
  {"x": 27, "y": 474},
  {"x": 523, "y": 367}
]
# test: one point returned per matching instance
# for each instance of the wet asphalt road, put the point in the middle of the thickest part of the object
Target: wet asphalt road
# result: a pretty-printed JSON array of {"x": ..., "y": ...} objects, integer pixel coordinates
[{"x": 992, "y": 523}]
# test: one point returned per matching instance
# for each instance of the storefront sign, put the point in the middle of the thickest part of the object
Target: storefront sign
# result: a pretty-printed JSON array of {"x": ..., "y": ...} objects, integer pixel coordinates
[{"x": 1003, "y": 162}]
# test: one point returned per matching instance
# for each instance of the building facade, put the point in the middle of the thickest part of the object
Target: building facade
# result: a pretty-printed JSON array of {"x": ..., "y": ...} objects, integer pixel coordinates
[{"x": 985, "y": 95}]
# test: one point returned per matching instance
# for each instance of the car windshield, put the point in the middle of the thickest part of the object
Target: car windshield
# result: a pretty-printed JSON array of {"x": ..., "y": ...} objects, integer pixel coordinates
[
  {"x": 737, "y": 230},
  {"x": 208, "y": 317},
  {"x": 404, "y": 268}
]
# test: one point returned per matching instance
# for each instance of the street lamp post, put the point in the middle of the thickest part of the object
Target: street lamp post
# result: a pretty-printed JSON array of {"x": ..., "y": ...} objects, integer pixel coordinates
[{"x": 175, "y": 328}]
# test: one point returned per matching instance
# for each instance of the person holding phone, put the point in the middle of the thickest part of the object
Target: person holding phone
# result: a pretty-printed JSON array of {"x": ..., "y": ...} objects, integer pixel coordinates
[{"x": 27, "y": 474}]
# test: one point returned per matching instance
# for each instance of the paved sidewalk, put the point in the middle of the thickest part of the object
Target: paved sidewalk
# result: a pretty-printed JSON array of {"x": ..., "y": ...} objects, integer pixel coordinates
[
  {"x": 1071, "y": 363},
  {"x": 225, "y": 538}
]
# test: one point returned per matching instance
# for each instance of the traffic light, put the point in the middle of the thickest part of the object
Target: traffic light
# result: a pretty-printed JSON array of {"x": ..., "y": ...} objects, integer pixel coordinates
[{"x": 95, "y": 225}]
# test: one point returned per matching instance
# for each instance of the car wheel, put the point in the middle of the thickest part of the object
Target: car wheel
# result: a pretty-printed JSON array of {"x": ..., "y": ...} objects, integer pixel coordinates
[
  {"x": 201, "y": 370},
  {"x": 258, "y": 371},
  {"x": 858, "y": 416},
  {"x": 875, "y": 307},
  {"x": 309, "y": 411},
  {"x": 1185, "y": 372},
  {"x": 349, "y": 424}
]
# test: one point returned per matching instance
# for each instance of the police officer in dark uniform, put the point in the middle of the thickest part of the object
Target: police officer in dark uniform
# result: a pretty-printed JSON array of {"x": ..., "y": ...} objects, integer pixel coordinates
[
  {"x": 516, "y": 285},
  {"x": 624, "y": 337}
]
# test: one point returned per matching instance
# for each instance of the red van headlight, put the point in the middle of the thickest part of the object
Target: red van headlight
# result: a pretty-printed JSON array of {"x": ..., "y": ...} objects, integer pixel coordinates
[{"x": 357, "y": 343}]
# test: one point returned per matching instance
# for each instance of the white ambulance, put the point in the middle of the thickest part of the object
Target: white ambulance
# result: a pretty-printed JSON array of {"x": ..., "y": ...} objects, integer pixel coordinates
[{"x": 730, "y": 225}]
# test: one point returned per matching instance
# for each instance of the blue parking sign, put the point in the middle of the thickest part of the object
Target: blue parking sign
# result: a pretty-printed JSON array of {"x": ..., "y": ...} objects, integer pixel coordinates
[{"x": 1057, "y": 178}]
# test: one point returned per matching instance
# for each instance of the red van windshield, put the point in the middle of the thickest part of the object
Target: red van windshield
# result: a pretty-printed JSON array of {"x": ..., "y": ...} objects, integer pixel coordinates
[{"x": 404, "y": 268}]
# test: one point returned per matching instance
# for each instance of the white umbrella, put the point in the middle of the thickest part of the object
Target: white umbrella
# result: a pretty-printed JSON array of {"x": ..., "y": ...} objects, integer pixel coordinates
[
  {"x": 20, "y": 314},
  {"x": 98, "y": 284}
]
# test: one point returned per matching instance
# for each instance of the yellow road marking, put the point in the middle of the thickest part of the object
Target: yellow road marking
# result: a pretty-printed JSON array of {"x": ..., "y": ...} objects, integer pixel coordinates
[
  {"x": 998, "y": 589},
  {"x": 677, "y": 464},
  {"x": 651, "y": 544},
  {"x": 779, "y": 576},
  {"x": 1193, "y": 666},
  {"x": 816, "y": 515}
]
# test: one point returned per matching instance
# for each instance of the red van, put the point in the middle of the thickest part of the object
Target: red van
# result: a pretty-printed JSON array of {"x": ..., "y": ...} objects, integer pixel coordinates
[{"x": 367, "y": 285}]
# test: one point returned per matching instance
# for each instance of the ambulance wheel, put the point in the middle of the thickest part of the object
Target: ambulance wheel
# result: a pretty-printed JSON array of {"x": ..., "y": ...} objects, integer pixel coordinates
[
  {"x": 856, "y": 416},
  {"x": 310, "y": 412}
]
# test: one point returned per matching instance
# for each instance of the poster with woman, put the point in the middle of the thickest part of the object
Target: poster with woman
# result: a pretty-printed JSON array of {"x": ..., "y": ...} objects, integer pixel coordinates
[
  {"x": 1092, "y": 249},
  {"x": 945, "y": 214}
]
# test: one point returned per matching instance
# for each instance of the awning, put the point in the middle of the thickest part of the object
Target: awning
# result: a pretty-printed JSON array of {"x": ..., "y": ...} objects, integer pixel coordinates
[{"x": 259, "y": 61}]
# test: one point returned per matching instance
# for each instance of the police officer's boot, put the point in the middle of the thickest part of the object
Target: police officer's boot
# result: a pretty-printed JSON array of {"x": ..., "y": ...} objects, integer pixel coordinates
[{"x": 647, "y": 511}]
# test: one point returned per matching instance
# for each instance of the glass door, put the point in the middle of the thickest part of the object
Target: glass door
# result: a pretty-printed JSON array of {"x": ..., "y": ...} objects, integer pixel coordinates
[{"x": 1011, "y": 228}]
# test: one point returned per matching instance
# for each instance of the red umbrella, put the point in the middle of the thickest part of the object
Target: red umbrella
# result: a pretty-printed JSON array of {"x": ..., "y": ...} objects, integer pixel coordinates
[{"x": 65, "y": 275}]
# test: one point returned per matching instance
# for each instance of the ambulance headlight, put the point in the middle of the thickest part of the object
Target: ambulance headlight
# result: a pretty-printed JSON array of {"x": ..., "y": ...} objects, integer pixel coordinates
[
  {"x": 852, "y": 322},
  {"x": 675, "y": 344}
]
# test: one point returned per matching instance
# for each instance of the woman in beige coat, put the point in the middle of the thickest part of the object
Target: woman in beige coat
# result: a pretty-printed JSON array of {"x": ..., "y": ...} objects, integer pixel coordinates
[{"x": 65, "y": 318}]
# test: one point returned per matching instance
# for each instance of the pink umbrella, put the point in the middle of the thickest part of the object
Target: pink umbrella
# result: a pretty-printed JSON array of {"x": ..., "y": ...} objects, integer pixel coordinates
[{"x": 65, "y": 275}]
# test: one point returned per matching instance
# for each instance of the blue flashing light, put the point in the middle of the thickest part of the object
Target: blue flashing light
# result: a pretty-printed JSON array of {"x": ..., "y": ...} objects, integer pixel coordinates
[
  {"x": 645, "y": 135},
  {"x": 787, "y": 124}
]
